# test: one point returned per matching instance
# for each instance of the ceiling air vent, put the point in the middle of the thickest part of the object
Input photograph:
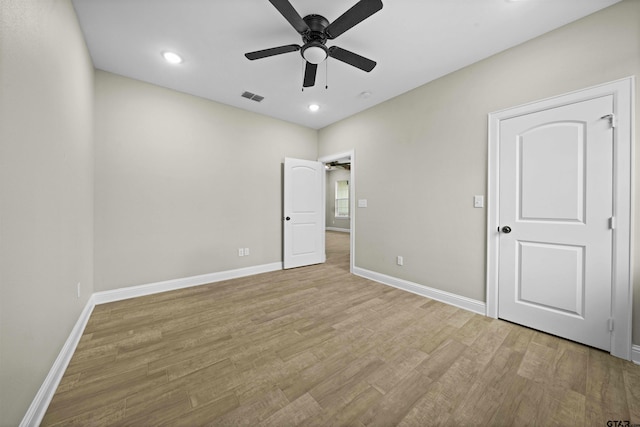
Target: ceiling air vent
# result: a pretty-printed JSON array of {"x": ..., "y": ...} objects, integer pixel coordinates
[{"x": 252, "y": 96}]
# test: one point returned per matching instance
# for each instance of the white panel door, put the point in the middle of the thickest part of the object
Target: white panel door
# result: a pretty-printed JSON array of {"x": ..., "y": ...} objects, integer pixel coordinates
[
  {"x": 303, "y": 213},
  {"x": 556, "y": 201}
]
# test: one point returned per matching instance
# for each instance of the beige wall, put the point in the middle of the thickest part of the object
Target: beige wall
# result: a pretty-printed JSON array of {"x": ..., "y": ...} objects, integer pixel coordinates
[
  {"x": 182, "y": 183},
  {"x": 330, "y": 203},
  {"x": 438, "y": 134},
  {"x": 46, "y": 192}
]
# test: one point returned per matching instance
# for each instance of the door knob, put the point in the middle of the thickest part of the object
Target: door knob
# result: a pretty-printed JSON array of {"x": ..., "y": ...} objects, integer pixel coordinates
[
  {"x": 506, "y": 229},
  {"x": 287, "y": 218}
]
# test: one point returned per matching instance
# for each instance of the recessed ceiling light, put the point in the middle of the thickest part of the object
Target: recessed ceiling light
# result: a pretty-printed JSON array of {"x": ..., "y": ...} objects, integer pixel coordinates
[
  {"x": 314, "y": 107},
  {"x": 172, "y": 57}
]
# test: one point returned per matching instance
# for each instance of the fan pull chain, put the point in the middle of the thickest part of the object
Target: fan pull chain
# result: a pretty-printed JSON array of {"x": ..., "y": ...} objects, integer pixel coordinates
[
  {"x": 326, "y": 74},
  {"x": 303, "y": 64}
]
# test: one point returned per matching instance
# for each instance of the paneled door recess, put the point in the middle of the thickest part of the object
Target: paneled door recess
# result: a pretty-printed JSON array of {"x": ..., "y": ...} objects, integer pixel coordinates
[
  {"x": 556, "y": 220},
  {"x": 303, "y": 222}
]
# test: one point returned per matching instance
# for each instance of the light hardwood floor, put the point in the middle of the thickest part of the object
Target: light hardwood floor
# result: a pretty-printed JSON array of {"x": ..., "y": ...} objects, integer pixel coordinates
[{"x": 316, "y": 346}]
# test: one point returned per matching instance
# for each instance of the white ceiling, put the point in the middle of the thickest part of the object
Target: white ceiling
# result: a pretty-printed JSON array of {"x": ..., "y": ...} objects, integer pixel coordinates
[{"x": 413, "y": 42}]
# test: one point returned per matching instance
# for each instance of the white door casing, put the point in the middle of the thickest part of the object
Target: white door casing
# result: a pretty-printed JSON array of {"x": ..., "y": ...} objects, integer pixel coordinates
[
  {"x": 303, "y": 222},
  {"x": 544, "y": 180}
]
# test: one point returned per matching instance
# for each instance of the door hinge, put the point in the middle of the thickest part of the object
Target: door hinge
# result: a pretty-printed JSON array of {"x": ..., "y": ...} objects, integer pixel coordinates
[
  {"x": 612, "y": 119},
  {"x": 612, "y": 223},
  {"x": 610, "y": 325}
]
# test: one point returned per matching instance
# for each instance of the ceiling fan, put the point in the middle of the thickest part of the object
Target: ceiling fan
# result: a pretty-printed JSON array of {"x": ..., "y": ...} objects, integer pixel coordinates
[
  {"x": 315, "y": 30},
  {"x": 338, "y": 165}
]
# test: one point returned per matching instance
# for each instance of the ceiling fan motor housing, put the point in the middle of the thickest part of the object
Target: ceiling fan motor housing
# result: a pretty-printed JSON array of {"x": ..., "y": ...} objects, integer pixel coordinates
[
  {"x": 314, "y": 50},
  {"x": 317, "y": 24}
]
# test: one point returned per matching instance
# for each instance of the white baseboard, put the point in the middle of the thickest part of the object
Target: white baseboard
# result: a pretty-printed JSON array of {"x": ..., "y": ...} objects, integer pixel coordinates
[
  {"x": 475, "y": 306},
  {"x": 635, "y": 354},
  {"x": 187, "y": 282},
  {"x": 342, "y": 230},
  {"x": 40, "y": 403}
]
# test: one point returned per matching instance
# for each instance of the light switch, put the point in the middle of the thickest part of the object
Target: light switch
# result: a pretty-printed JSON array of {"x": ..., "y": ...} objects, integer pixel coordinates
[
  {"x": 478, "y": 201},
  {"x": 362, "y": 203}
]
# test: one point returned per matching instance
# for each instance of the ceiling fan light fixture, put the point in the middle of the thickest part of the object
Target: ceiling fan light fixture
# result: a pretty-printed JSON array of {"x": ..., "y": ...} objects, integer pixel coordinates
[
  {"x": 314, "y": 107},
  {"x": 314, "y": 53}
]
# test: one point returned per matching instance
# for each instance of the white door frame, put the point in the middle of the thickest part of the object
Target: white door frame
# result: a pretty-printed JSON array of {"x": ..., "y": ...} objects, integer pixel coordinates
[
  {"x": 352, "y": 193},
  {"x": 622, "y": 289}
]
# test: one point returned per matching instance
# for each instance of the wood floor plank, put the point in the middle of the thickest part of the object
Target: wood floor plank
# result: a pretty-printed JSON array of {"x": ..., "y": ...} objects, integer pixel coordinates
[
  {"x": 206, "y": 415},
  {"x": 433, "y": 342},
  {"x": 521, "y": 405},
  {"x": 80, "y": 402},
  {"x": 305, "y": 380},
  {"x": 107, "y": 414},
  {"x": 518, "y": 339},
  {"x": 275, "y": 371},
  {"x": 565, "y": 409},
  {"x": 389, "y": 375},
  {"x": 441, "y": 359},
  {"x": 394, "y": 406},
  {"x": 213, "y": 351},
  {"x": 293, "y": 414},
  {"x": 570, "y": 369},
  {"x": 215, "y": 387},
  {"x": 489, "y": 390},
  {"x": 538, "y": 362},
  {"x": 317, "y": 346},
  {"x": 445, "y": 395},
  {"x": 459, "y": 318},
  {"x": 170, "y": 405},
  {"x": 344, "y": 382},
  {"x": 606, "y": 391},
  {"x": 196, "y": 364},
  {"x": 255, "y": 411},
  {"x": 346, "y": 413},
  {"x": 631, "y": 376}
]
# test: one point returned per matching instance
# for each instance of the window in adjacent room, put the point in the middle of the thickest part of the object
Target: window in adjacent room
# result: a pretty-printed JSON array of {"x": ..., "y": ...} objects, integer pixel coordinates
[{"x": 342, "y": 199}]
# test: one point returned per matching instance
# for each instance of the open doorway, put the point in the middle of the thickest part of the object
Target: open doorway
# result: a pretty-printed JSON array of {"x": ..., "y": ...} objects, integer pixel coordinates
[
  {"x": 337, "y": 249},
  {"x": 338, "y": 183},
  {"x": 339, "y": 209}
]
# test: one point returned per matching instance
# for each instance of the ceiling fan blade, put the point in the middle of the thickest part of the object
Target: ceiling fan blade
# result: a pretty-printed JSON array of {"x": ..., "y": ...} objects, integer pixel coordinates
[
  {"x": 272, "y": 51},
  {"x": 290, "y": 14},
  {"x": 351, "y": 58},
  {"x": 310, "y": 75},
  {"x": 358, "y": 13}
]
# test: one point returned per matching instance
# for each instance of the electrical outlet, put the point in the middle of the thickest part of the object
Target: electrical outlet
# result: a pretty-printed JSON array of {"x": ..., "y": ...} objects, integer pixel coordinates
[
  {"x": 246, "y": 251},
  {"x": 400, "y": 260},
  {"x": 241, "y": 252},
  {"x": 78, "y": 289}
]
